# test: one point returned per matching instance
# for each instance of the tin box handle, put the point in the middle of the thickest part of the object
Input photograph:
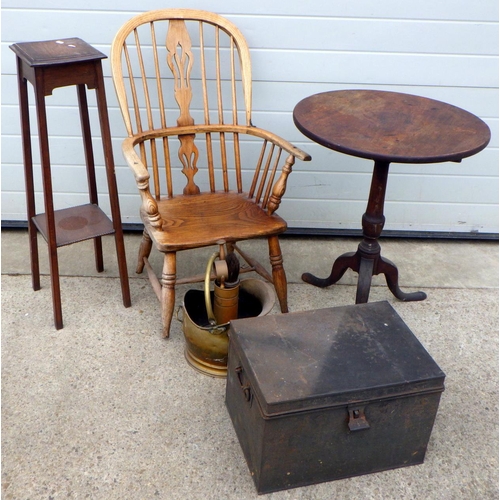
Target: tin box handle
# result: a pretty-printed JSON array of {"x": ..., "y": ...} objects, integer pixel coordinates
[{"x": 247, "y": 393}]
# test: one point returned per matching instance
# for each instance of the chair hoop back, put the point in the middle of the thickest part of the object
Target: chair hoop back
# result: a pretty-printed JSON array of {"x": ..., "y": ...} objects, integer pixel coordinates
[{"x": 180, "y": 37}]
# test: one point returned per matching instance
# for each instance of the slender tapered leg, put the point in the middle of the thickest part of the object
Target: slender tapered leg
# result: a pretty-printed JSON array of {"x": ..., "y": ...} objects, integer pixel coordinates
[
  {"x": 112, "y": 186},
  {"x": 89, "y": 161},
  {"x": 49, "y": 203},
  {"x": 168, "y": 291},
  {"x": 28, "y": 177},
  {"x": 279, "y": 276}
]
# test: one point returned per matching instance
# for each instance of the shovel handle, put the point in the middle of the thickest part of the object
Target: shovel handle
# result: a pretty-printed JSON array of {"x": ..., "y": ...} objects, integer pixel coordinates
[{"x": 208, "y": 302}]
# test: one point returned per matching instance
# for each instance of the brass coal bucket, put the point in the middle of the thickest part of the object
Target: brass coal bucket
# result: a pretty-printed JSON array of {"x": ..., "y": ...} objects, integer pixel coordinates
[{"x": 207, "y": 343}]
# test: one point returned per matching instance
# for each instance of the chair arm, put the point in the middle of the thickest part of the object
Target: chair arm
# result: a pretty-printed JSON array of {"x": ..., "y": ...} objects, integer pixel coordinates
[
  {"x": 240, "y": 129},
  {"x": 141, "y": 175},
  {"x": 280, "y": 142}
]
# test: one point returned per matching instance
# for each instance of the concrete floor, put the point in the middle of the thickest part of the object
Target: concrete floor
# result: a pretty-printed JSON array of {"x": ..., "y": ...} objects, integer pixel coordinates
[{"x": 107, "y": 409}]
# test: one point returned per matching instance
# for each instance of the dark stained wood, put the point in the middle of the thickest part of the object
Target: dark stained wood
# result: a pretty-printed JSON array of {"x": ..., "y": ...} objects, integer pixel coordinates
[
  {"x": 385, "y": 127},
  {"x": 28, "y": 175},
  {"x": 48, "y": 65},
  {"x": 107, "y": 145},
  {"x": 389, "y": 126},
  {"x": 89, "y": 161},
  {"x": 76, "y": 224},
  {"x": 52, "y": 52}
]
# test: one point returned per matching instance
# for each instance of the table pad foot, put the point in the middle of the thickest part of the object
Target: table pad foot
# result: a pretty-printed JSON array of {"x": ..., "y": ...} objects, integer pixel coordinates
[
  {"x": 346, "y": 261},
  {"x": 390, "y": 271},
  {"x": 366, "y": 268}
]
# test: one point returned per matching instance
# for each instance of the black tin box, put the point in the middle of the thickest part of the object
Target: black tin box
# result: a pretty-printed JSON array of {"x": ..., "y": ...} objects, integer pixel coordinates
[{"x": 330, "y": 393}]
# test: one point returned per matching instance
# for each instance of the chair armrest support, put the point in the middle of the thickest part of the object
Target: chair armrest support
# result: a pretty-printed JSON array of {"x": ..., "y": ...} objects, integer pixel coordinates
[
  {"x": 141, "y": 175},
  {"x": 279, "y": 187}
]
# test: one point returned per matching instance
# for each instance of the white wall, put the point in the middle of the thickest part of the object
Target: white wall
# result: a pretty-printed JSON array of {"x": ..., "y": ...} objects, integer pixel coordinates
[{"x": 447, "y": 50}]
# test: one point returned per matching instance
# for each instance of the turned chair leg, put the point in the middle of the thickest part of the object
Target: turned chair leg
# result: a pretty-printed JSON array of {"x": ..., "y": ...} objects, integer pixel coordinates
[
  {"x": 279, "y": 276},
  {"x": 168, "y": 291},
  {"x": 144, "y": 251}
]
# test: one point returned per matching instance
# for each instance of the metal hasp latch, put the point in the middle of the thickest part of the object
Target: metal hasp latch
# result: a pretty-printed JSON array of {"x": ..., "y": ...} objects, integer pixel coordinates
[{"x": 357, "y": 419}]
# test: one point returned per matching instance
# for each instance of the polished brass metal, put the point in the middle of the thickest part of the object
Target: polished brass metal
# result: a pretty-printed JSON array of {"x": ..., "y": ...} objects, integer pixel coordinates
[{"x": 206, "y": 338}]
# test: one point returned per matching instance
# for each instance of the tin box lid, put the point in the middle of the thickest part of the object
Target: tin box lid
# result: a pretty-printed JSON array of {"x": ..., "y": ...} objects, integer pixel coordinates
[{"x": 331, "y": 357}]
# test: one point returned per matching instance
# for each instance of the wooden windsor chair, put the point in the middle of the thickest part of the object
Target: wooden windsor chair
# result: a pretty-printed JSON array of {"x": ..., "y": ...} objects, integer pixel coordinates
[{"x": 185, "y": 75}]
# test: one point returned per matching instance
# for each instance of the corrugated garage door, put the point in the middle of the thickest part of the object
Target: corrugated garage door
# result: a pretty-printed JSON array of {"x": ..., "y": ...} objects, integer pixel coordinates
[{"x": 445, "y": 50}]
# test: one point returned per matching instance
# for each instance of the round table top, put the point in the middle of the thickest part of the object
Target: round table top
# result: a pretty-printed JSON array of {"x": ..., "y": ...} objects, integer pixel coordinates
[{"x": 390, "y": 126}]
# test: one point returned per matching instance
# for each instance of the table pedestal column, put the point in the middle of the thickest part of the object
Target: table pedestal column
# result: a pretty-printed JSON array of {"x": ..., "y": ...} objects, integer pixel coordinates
[{"x": 367, "y": 261}]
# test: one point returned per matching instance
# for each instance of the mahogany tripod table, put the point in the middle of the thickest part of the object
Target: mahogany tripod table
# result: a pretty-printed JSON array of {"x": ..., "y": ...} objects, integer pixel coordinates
[{"x": 386, "y": 127}]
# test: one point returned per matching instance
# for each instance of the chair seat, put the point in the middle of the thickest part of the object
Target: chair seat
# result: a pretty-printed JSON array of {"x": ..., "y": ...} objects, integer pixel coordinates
[{"x": 200, "y": 220}]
